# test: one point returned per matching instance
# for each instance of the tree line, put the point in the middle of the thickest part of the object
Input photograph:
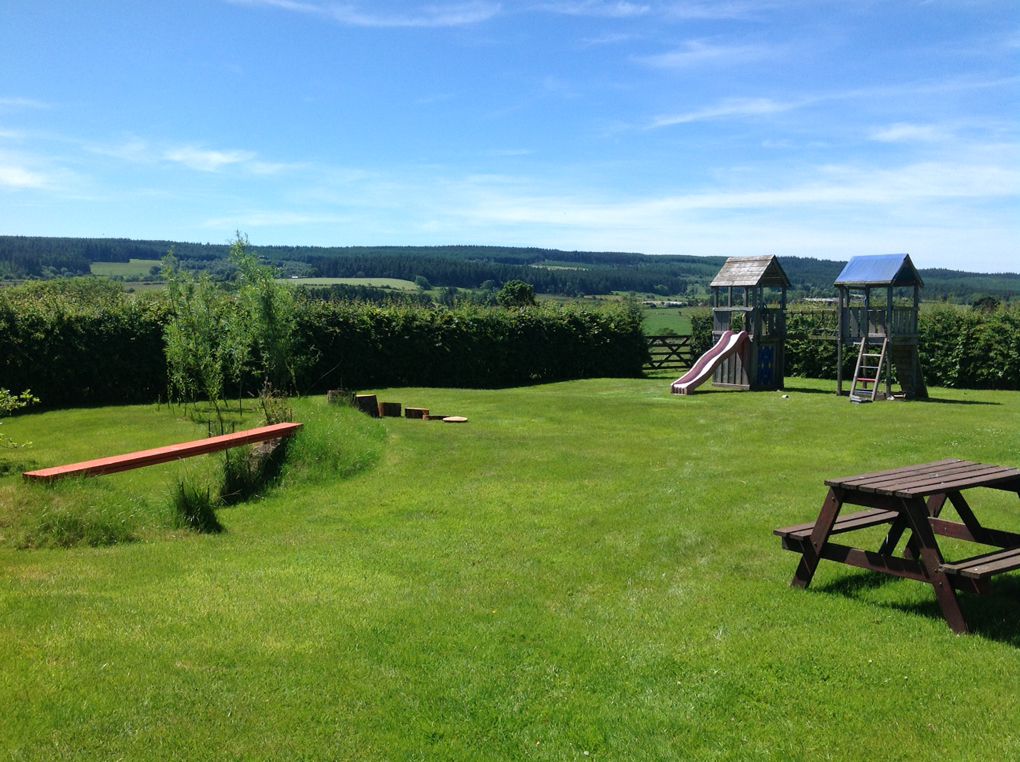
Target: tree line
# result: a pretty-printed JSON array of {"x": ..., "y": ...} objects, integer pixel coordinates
[{"x": 550, "y": 271}]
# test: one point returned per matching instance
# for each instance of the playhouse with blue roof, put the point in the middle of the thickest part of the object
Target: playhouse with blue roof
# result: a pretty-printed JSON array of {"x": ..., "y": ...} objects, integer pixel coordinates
[{"x": 878, "y": 306}]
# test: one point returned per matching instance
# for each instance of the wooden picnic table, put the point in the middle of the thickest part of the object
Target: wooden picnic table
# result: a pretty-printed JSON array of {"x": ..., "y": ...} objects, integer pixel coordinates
[{"x": 910, "y": 499}]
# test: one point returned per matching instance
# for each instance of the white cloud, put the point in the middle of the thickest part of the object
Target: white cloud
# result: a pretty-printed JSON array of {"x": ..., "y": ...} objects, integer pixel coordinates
[
  {"x": 457, "y": 14},
  {"x": 700, "y": 53},
  {"x": 903, "y": 133},
  {"x": 617, "y": 9},
  {"x": 132, "y": 149},
  {"x": 18, "y": 177},
  {"x": 207, "y": 161},
  {"x": 716, "y": 10},
  {"x": 21, "y": 103},
  {"x": 271, "y": 219},
  {"x": 729, "y": 107}
]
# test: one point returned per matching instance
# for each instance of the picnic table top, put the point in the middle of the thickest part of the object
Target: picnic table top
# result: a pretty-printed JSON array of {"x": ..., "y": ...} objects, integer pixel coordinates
[{"x": 935, "y": 477}]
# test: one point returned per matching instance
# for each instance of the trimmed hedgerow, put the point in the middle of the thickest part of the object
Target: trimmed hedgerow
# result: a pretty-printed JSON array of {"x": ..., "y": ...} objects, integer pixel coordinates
[
  {"x": 77, "y": 343},
  {"x": 970, "y": 349},
  {"x": 959, "y": 347},
  {"x": 354, "y": 345},
  {"x": 81, "y": 342}
]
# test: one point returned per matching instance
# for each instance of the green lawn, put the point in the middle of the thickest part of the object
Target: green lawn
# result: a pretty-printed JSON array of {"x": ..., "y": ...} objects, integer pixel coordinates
[{"x": 583, "y": 570}]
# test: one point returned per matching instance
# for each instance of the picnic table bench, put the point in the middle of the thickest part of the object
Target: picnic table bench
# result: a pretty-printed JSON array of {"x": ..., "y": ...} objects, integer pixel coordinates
[
  {"x": 910, "y": 499},
  {"x": 166, "y": 454}
]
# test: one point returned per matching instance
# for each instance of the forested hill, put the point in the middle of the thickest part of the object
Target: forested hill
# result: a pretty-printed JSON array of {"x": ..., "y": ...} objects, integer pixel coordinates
[{"x": 548, "y": 270}]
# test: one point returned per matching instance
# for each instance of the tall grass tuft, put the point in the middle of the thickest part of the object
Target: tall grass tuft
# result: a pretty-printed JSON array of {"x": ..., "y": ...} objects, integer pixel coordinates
[
  {"x": 249, "y": 470},
  {"x": 70, "y": 514},
  {"x": 194, "y": 509},
  {"x": 341, "y": 444}
]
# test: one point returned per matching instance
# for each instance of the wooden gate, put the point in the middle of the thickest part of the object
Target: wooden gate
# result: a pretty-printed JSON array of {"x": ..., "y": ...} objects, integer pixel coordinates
[{"x": 670, "y": 352}]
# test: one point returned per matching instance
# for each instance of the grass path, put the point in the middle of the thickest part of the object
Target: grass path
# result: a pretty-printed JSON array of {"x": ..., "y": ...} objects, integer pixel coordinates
[{"x": 584, "y": 570}]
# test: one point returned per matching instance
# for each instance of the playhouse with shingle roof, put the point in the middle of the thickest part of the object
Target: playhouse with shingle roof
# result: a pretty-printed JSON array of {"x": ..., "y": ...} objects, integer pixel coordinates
[{"x": 749, "y": 294}]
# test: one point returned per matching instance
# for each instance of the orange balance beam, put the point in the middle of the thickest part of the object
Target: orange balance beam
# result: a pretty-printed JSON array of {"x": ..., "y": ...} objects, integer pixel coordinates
[{"x": 163, "y": 454}]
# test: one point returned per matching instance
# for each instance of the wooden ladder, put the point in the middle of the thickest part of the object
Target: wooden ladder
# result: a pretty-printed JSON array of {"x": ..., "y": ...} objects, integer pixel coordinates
[{"x": 868, "y": 372}]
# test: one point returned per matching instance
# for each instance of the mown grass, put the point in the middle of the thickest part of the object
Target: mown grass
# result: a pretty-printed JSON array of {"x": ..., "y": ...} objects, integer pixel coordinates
[{"x": 583, "y": 570}]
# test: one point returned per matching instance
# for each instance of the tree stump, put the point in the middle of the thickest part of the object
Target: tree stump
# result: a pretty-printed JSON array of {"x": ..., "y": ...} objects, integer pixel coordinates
[
  {"x": 390, "y": 409},
  {"x": 415, "y": 412},
  {"x": 339, "y": 397},
  {"x": 367, "y": 403}
]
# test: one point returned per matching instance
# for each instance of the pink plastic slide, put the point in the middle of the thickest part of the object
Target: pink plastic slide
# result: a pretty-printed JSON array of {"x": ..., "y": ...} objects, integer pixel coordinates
[{"x": 728, "y": 343}]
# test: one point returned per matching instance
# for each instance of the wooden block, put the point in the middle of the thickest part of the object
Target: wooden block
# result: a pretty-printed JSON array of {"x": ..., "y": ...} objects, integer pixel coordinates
[
  {"x": 390, "y": 409},
  {"x": 367, "y": 403},
  {"x": 455, "y": 419},
  {"x": 434, "y": 417},
  {"x": 415, "y": 412},
  {"x": 339, "y": 397}
]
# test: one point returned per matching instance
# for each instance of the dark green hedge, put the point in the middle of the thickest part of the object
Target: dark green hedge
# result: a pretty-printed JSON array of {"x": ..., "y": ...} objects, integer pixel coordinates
[
  {"x": 81, "y": 345},
  {"x": 970, "y": 349},
  {"x": 959, "y": 347},
  {"x": 358, "y": 346}
]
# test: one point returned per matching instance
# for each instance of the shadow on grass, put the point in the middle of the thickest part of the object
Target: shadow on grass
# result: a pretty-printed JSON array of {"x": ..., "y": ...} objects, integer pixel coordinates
[
  {"x": 994, "y": 615},
  {"x": 937, "y": 401},
  {"x": 805, "y": 390}
]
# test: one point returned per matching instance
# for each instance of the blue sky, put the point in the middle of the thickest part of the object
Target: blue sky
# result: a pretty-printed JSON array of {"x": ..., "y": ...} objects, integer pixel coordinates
[{"x": 790, "y": 127}]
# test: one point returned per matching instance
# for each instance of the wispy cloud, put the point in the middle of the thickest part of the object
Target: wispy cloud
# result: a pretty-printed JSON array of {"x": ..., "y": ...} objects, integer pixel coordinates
[
  {"x": 617, "y": 9},
  {"x": 909, "y": 133},
  {"x": 352, "y": 14},
  {"x": 716, "y": 10},
  {"x": 258, "y": 219},
  {"x": 729, "y": 107},
  {"x": 701, "y": 53},
  {"x": 205, "y": 160},
  {"x": 22, "y": 103},
  {"x": 132, "y": 149},
  {"x": 17, "y": 177}
]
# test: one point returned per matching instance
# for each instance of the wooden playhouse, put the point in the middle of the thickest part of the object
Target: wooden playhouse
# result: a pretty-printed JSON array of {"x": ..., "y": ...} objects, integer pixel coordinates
[
  {"x": 749, "y": 294},
  {"x": 878, "y": 305}
]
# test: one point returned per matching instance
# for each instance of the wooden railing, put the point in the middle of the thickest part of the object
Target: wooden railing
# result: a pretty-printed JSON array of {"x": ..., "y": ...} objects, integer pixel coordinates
[{"x": 903, "y": 321}]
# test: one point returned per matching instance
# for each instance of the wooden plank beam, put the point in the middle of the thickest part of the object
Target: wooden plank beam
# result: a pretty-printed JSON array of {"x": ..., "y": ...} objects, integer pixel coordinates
[{"x": 166, "y": 454}]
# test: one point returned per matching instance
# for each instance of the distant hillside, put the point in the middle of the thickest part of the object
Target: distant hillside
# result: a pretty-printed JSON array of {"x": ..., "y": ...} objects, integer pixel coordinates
[{"x": 548, "y": 270}]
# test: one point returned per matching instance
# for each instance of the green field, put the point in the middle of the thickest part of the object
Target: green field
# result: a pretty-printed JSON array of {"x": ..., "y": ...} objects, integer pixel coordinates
[
  {"x": 583, "y": 570},
  {"x": 394, "y": 283},
  {"x": 662, "y": 320},
  {"x": 135, "y": 269}
]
